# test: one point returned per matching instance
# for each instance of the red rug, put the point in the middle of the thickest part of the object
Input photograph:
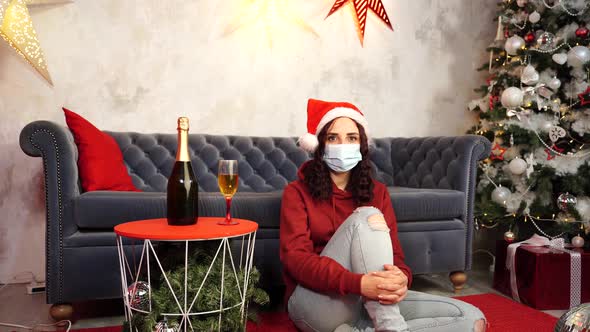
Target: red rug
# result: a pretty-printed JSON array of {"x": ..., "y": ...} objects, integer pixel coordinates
[{"x": 503, "y": 315}]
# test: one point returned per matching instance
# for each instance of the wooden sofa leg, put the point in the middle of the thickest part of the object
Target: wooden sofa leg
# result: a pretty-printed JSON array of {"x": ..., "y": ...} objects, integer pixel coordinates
[
  {"x": 459, "y": 279},
  {"x": 61, "y": 311}
]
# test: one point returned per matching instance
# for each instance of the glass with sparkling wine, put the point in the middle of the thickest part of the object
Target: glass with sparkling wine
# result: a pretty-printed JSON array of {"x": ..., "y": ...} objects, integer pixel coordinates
[{"x": 227, "y": 177}]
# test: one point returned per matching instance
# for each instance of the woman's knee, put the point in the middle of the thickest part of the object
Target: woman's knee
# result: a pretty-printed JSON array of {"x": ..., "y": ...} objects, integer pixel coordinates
[
  {"x": 480, "y": 325},
  {"x": 373, "y": 217}
]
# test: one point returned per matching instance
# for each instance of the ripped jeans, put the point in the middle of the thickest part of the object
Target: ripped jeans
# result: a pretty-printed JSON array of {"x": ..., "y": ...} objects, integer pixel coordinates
[{"x": 362, "y": 246}]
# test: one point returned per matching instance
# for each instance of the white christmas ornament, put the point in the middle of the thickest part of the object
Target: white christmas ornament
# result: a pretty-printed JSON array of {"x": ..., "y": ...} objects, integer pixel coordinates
[
  {"x": 555, "y": 133},
  {"x": 501, "y": 194},
  {"x": 521, "y": 3},
  {"x": 513, "y": 44},
  {"x": 578, "y": 241},
  {"x": 578, "y": 56},
  {"x": 534, "y": 17},
  {"x": 517, "y": 166},
  {"x": 529, "y": 76},
  {"x": 559, "y": 58},
  {"x": 583, "y": 207},
  {"x": 554, "y": 84},
  {"x": 512, "y": 97}
]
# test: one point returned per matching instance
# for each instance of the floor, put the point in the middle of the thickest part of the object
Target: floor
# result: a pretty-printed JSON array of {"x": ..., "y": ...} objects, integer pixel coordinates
[{"x": 16, "y": 307}]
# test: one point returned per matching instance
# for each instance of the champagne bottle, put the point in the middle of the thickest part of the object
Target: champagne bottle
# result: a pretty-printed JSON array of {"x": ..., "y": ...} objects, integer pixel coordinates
[{"x": 183, "y": 192}]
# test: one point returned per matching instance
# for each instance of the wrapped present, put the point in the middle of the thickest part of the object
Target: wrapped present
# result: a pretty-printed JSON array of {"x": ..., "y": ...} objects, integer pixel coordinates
[{"x": 542, "y": 274}]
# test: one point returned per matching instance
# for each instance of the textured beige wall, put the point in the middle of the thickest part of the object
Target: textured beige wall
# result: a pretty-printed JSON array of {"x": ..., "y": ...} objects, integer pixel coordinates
[{"x": 137, "y": 65}]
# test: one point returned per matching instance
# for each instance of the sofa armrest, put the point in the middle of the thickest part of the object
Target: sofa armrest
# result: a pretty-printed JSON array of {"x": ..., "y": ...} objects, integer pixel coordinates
[
  {"x": 442, "y": 163},
  {"x": 55, "y": 144}
]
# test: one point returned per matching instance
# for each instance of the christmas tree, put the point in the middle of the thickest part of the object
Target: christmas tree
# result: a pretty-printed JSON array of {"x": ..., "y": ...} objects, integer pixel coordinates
[{"x": 535, "y": 109}]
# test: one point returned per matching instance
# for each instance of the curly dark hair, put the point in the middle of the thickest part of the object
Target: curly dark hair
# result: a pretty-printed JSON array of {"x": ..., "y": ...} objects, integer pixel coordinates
[{"x": 317, "y": 173}]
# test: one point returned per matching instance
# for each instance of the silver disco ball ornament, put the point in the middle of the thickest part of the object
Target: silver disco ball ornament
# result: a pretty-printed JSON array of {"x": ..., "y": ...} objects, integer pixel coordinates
[
  {"x": 576, "y": 319},
  {"x": 139, "y": 295},
  {"x": 565, "y": 201},
  {"x": 545, "y": 41}
]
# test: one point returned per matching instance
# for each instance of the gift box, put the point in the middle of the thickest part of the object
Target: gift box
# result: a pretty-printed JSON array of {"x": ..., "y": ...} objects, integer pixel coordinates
[{"x": 542, "y": 275}]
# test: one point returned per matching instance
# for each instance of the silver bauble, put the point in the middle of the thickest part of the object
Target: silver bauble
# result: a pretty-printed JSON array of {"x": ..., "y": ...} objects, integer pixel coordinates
[
  {"x": 512, "y": 97},
  {"x": 517, "y": 166},
  {"x": 139, "y": 295},
  {"x": 545, "y": 41},
  {"x": 565, "y": 201},
  {"x": 578, "y": 56},
  {"x": 501, "y": 194},
  {"x": 513, "y": 44},
  {"x": 534, "y": 17},
  {"x": 576, "y": 319},
  {"x": 554, "y": 83},
  {"x": 578, "y": 241}
]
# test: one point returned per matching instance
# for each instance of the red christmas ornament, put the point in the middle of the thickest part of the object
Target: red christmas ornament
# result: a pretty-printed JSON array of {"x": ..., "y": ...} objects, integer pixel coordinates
[
  {"x": 493, "y": 100},
  {"x": 499, "y": 155},
  {"x": 582, "y": 32},
  {"x": 551, "y": 153},
  {"x": 585, "y": 97},
  {"x": 530, "y": 37}
]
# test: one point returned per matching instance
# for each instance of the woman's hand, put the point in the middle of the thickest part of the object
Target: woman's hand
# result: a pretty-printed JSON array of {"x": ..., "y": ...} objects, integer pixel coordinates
[{"x": 388, "y": 287}]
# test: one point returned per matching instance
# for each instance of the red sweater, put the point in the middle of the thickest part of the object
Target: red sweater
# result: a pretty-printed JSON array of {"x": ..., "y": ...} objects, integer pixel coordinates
[{"x": 307, "y": 226}]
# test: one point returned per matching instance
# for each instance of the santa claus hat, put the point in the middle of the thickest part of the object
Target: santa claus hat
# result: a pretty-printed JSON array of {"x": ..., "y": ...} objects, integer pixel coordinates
[{"x": 320, "y": 112}]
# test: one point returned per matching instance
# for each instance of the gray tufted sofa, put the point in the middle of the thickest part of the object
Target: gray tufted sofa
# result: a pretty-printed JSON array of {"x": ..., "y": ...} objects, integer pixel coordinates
[{"x": 431, "y": 181}]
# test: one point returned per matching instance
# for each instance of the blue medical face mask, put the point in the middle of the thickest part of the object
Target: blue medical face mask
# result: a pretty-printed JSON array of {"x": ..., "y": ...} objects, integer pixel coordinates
[{"x": 342, "y": 157}]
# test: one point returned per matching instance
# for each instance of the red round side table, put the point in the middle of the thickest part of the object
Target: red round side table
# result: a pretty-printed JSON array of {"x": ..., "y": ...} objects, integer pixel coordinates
[{"x": 205, "y": 229}]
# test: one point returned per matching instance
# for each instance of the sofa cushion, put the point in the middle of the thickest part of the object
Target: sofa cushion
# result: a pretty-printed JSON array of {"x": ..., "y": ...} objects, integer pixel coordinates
[
  {"x": 420, "y": 204},
  {"x": 106, "y": 209}
]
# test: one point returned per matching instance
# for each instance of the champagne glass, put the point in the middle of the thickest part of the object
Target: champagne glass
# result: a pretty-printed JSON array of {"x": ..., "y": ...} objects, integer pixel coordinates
[{"x": 227, "y": 177}]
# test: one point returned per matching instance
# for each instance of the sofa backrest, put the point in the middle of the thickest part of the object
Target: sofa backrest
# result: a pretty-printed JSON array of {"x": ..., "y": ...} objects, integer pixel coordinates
[{"x": 265, "y": 163}]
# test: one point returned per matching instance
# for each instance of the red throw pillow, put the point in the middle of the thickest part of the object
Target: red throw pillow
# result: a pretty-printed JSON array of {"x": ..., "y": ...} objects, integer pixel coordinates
[{"x": 100, "y": 161}]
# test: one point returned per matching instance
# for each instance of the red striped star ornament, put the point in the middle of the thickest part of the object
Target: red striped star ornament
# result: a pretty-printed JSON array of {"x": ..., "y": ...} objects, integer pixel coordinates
[{"x": 361, "y": 7}]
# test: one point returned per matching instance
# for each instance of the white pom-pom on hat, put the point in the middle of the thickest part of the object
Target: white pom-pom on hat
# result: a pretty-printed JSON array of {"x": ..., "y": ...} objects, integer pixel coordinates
[{"x": 308, "y": 142}]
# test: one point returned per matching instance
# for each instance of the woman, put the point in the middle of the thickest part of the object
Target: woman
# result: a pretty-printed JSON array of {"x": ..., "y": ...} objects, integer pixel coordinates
[{"x": 343, "y": 264}]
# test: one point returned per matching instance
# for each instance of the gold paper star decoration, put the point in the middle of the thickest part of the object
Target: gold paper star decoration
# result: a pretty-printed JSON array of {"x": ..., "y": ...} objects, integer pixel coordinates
[
  {"x": 16, "y": 27},
  {"x": 361, "y": 7},
  {"x": 269, "y": 13}
]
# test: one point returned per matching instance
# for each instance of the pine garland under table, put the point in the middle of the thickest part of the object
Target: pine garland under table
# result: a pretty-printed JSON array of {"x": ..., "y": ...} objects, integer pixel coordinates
[{"x": 199, "y": 286}]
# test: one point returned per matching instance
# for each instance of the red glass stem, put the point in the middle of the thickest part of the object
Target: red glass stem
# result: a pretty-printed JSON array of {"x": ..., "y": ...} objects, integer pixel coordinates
[{"x": 227, "y": 208}]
